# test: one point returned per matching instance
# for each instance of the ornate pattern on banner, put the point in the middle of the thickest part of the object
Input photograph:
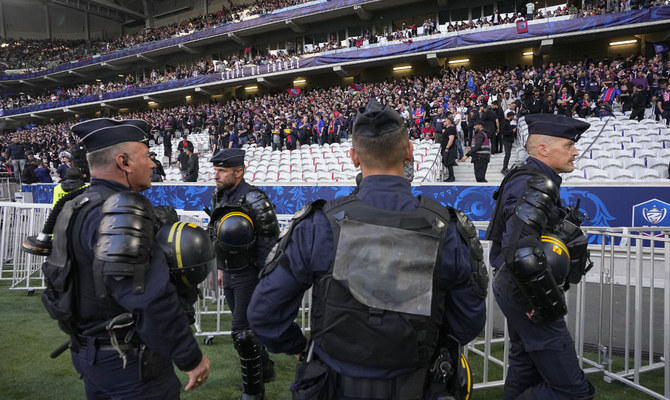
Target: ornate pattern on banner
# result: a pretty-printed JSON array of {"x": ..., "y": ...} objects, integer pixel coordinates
[{"x": 605, "y": 206}]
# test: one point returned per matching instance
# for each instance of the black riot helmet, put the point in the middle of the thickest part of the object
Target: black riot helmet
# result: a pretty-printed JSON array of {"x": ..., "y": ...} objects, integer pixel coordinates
[
  {"x": 234, "y": 238},
  {"x": 189, "y": 253},
  {"x": 558, "y": 257}
]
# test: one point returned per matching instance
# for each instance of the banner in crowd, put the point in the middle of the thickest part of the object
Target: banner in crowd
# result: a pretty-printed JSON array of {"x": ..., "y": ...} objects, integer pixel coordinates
[{"x": 605, "y": 205}]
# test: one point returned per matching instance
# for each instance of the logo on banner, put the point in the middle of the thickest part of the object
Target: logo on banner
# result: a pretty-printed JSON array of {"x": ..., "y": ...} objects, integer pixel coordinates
[
  {"x": 293, "y": 91},
  {"x": 654, "y": 215},
  {"x": 521, "y": 27},
  {"x": 651, "y": 213}
]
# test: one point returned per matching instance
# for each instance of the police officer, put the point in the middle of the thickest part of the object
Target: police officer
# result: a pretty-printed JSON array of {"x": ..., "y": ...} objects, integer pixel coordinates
[
  {"x": 120, "y": 270},
  {"x": 375, "y": 331},
  {"x": 537, "y": 247},
  {"x": 239, "y": 266},
  {"x": 480, "y": 151},
  {"x": 74, "y": 180}
]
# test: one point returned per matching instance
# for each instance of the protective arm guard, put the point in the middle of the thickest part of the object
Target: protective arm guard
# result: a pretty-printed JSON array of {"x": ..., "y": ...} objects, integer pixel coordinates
[
  {"x": 265, "y": 223},
  {"x": 534, "y": 277},
  {"x": 125, "y": 240},
  {"x": 536, "y": 202},
  {"x": 263, "y": 213},
  {"x": 576, "y": 242}
]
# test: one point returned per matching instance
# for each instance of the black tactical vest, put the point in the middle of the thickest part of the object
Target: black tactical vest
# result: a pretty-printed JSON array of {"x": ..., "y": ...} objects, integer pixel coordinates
[{"x": 378, "y": 336}]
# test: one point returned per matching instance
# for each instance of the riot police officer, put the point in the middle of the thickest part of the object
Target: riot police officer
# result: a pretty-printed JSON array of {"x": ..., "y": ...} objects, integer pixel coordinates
[
  {"x": 375, "y": 330},
  {"x": 244, "y": 227},
  {"x": 537, "y": 250},
  {"x": 119, "y": 269}
]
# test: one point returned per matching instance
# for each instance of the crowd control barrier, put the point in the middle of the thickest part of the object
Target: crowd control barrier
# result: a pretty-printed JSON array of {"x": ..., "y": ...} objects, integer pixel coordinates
[{"x": 619, "y": 315}]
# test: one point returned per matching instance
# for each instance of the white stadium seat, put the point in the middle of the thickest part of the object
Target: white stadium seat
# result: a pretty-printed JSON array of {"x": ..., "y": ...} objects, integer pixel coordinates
[
  {"x": 620, "y": 173},
  {"x": 596, "y": 173},
  {"x": 646, "y": 174}
]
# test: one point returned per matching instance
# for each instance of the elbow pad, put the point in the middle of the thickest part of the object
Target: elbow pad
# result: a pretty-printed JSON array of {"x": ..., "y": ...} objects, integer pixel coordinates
[
  {"x": 535, "y": 204},
  {"x": 534, "y": 277},
  {"x": 263, "y": 213}
]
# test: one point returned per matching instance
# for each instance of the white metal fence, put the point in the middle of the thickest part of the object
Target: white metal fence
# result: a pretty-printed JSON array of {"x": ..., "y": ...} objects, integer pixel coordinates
[{"x": 619, "y": 315}]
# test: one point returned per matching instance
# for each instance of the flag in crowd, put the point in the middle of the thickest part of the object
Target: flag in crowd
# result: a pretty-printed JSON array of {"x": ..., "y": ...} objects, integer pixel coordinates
[
  {"x": 521, "y": 27},
  {"x": 660, "y": 48}
]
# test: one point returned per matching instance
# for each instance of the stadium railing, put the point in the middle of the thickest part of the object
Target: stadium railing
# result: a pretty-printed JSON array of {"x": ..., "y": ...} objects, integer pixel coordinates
[{"x": 619, "y": 315}]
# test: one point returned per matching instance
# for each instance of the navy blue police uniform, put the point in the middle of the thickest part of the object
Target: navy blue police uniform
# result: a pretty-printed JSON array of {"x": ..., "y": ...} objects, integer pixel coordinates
[
  {"x": 240, "y": 283},
  {"x": 240, "y": 274},
  {"x": 160, "y": 328},
  {"x": 307, "y": 256},
  {"x": 480, "y": 152},
  {"x": 542, "y": 360}
]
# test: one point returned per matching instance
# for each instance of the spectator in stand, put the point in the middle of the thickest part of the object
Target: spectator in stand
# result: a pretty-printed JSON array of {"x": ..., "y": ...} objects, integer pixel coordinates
[
  {"x": 530, "y": 10},
  {"x": 663, "y": 102},
  {"x": 436, "y": 122},
  {"x": 320, "y": 127},
  {"x": 584, "y": 107},
  {"x": 192, "y": 166},
  {"x": 508, "y": 134},
  {"x": 489, "y": 118},
  {"x": 427, "y": 132},
  {"x": 28, "y": 175},
  {"x": 639, "y": 103},
  {"x": 43, "y": 173},
  {"x": 448, "y": 148},
  {"x": 564, "y": 102},
  {"x": 63, "y": 167},
  {"x": 292, "y": 137},
  {"x": 17, "y": 156},
  {"x": 610, "y": 94},
  {"x": 158, "y": 173}
]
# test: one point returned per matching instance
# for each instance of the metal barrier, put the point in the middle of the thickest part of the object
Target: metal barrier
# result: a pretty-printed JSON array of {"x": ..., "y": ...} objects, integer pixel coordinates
[
  {"x": 18, "y": 221},
  {"x": 8, "y": 186},
  {"x": 622, "y": 299},
  {"x": 634, "y": 327}
]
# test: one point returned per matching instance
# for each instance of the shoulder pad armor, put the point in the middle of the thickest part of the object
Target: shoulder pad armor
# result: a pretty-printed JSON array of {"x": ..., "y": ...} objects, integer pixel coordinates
[
  {"x": 263, "y": 213},
  {"x": 276, "y": 255},
  {"x": 536, "y": 202},
  {"x": 125, "y": 237},
  {"x": 479, "y": 277}
]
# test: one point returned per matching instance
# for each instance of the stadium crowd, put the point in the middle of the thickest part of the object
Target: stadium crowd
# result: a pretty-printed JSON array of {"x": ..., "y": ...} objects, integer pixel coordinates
[
  {"x": 39, "y": 54},
  {"x": 35, "y": 55},
  {"x": 280, "y": 119}
]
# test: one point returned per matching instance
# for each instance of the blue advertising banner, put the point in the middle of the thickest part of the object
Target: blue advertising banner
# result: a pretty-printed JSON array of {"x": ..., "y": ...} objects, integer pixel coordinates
[{"x": 606, "y": 206}]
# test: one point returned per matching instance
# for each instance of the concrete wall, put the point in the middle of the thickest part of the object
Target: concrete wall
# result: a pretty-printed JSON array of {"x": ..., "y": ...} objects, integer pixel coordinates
[{"x": 29, "y": 19}]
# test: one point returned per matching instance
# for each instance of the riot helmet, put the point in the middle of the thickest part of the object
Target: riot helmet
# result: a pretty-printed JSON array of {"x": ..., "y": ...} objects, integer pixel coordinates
[
  {"x": 234, "y": 238},
  {"x": 558, "y": 257},
  {"x": 189, "y": 253}
]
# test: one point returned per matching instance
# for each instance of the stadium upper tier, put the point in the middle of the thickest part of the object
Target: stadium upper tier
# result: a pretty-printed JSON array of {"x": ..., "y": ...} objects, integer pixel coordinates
[
  {"x": 428, "y": 46},
  {"x": 443, "y": 42}
]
